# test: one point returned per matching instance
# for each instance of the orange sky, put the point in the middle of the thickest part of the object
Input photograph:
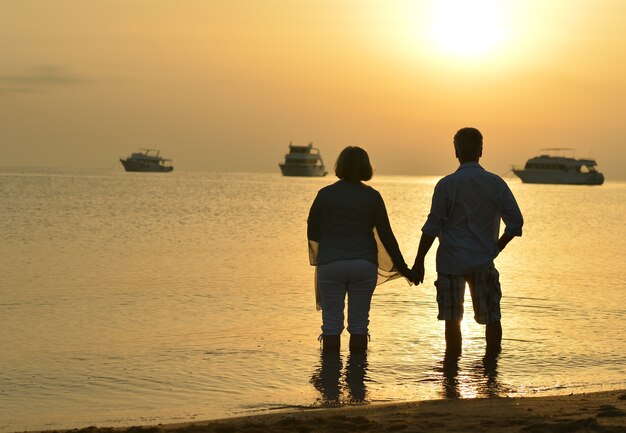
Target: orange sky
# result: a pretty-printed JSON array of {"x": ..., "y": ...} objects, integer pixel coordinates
[{"x": 225, "y": 85}]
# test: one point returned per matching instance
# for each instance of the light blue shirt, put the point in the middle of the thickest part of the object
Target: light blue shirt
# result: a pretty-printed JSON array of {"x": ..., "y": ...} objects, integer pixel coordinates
[{"x": 465, "y": 215}]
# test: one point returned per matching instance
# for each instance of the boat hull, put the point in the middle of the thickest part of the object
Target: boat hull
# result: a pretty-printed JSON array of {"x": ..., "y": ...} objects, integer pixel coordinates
[
  {"x": 559, "y": 178},
  {"x": 139, "y": 166},
  {"x": 303, "y": 170}
]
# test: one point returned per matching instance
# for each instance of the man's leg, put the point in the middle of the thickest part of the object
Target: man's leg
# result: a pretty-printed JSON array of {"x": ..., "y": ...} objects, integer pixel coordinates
[
  {"x": 454, "y": 339},
  {"x": 450, "y": 367},
  {"x": 493, "y": 335},
  {"x": 486, "y": 294},
  {"x": 450, "y": 293}
]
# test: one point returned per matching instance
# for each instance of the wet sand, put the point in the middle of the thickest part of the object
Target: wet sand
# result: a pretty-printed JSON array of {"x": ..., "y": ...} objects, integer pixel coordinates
[{"x": 585, "y": 412}]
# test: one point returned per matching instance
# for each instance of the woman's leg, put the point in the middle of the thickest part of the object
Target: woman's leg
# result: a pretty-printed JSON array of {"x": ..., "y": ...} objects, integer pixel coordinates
[
  {"x": 361, "y": 284},
  {"x": 332, "y": 284}
]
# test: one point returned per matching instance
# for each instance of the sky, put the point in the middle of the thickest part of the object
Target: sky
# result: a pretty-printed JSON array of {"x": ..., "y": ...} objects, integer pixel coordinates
[{"x": 227, "y": 85}]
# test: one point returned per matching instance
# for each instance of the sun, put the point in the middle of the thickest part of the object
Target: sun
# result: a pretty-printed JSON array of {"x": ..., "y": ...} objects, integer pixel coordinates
[{"x": 467, "y": 28}]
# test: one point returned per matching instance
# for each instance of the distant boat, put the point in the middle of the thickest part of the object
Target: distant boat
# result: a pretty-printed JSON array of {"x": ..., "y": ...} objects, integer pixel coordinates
[
  {"x": 147, "y": 160},
  {"x": 303, "y": 161},
  {"x": 554, "y": 167}
]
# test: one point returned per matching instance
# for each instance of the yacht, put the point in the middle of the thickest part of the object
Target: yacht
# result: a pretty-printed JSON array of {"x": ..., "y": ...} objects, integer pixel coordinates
[
  {"x": 303, "y": 161},
  {"x": 147, "y": 160},
  {"x": 558, "y": 166}
]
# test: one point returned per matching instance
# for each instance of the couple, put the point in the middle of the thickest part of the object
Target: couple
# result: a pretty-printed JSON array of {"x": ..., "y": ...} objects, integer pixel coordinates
[{"x": 353, "y": 247}]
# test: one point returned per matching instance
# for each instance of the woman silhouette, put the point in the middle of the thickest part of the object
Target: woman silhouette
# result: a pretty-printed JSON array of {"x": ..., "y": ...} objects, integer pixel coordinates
[{"x": 353, "y": 248}]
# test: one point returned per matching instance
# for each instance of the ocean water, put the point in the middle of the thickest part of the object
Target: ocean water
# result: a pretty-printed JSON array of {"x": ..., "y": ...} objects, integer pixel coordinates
[{"x": 130, "y": 298}]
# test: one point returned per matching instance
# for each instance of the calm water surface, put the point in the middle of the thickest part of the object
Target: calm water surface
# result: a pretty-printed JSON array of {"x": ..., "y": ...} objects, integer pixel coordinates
[{"x": 132, "y": 298}]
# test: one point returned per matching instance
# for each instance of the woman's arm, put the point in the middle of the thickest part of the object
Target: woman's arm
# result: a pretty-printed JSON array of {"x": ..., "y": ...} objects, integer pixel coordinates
[
  {"x": 314, "y": 221},
  {"x": 313, "y": 230},
  {"x": 383, "y": 227}
]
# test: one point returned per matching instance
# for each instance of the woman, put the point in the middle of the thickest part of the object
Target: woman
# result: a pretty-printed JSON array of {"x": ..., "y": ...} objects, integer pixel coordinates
[{"x": 347, "y": 222}]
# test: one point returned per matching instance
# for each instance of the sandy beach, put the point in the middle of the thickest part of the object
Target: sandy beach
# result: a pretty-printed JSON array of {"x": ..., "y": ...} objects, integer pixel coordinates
[{"x": 585, "y": 412}]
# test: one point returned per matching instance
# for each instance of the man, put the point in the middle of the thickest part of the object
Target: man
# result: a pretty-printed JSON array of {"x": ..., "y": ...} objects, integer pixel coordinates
[{"x": 467, "y": 206}]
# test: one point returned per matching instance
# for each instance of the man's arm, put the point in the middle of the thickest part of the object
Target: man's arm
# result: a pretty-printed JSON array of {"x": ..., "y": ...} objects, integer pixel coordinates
[
  {"x": 512, "y": 217},
  {"x": 438, "y": 213},
  {"x": 504, "y": 240},
  {"x": 426, "y": 241}
]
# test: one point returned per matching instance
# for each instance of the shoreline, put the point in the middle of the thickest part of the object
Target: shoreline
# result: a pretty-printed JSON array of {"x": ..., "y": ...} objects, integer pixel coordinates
[{"x": 603, "y": 411}]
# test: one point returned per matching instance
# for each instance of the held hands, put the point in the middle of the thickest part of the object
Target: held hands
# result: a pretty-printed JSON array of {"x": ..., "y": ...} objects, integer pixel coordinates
[
  {"x": 410, "y": 275},
  {"x": 418, "y": 272},
  {"x": 413, "y": 276}
]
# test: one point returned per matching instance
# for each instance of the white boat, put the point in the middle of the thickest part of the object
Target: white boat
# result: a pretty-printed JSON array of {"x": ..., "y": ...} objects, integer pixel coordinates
[
  {"x": 303, "y": 161},
  {"x": 147, "y": 160},
  {"x": 554, "y": 166}
]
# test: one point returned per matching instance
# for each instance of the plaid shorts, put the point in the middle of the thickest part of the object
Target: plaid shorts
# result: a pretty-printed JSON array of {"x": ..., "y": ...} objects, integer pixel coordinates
[{"x": 484, "y": 287}]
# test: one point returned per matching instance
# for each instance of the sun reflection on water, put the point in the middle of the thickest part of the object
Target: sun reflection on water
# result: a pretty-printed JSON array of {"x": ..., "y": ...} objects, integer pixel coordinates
[{"x": 213, "y": 311}]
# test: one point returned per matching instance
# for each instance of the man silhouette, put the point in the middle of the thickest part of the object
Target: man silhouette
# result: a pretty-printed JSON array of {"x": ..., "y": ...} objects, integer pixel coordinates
[{"x": 465, "y": 215}]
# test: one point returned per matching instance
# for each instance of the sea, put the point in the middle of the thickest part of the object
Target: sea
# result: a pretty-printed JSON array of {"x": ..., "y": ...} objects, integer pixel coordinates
[{"x": 146, "y": 298}]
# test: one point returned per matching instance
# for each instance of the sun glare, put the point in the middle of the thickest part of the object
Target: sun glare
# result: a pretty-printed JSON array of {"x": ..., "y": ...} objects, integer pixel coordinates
[{"x": 467, "y": 28}]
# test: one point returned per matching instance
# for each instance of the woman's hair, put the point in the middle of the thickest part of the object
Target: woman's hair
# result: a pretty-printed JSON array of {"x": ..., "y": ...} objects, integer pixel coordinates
[{"x": 353, "y": 164}]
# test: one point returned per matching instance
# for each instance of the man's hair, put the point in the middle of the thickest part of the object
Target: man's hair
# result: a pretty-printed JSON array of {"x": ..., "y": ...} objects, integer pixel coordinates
[
  {"x": 353, "y": 164},
  {"x": 468, "y": 143}
]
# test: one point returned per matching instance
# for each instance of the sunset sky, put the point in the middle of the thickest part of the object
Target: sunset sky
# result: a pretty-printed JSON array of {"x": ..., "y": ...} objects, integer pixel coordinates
[{"x": 226, "y": 85}]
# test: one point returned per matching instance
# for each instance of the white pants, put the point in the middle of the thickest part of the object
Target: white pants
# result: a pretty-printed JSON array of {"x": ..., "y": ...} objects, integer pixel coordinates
[{"x": 357, "y": 279}]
